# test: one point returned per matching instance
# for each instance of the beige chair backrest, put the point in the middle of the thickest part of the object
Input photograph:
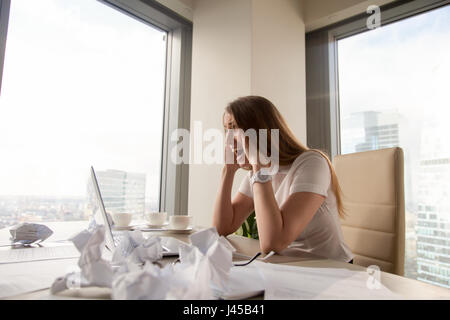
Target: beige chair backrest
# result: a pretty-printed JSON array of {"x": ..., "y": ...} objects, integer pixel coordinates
[{"x": 373, "y": 197}]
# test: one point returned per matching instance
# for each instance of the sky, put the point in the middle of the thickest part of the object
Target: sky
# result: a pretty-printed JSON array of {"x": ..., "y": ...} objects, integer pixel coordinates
[
  {"x": 403, "y": 66},
  {"x": 83, "y": 84}
]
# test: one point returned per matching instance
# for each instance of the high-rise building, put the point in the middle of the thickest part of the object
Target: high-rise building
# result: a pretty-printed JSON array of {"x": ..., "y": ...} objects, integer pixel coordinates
[
  {"x": 433, "y": 223},
  {"x": 121, "y": 191},
  {"x": 370, "y": 130}
]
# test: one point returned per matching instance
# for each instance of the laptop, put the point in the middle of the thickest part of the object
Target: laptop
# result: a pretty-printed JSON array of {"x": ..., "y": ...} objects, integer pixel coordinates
[{"x": 112, "y": 239}]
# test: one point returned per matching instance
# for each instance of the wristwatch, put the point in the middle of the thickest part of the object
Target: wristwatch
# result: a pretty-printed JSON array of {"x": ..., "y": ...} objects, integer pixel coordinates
[{"x": 258, "y": 176}]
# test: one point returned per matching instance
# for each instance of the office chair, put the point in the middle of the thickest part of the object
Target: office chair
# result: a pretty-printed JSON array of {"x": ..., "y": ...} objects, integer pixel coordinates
[{"x": 373, "y": 197}]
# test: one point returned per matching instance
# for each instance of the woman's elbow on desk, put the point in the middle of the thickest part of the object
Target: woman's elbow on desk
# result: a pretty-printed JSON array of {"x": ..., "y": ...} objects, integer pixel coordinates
[
  {"x": 222, "y": 231},
  {"x": 276, "y": 246}
]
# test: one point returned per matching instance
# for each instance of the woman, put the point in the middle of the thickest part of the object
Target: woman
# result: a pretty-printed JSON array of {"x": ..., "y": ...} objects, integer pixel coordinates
[{"x": 298, "y": 206}]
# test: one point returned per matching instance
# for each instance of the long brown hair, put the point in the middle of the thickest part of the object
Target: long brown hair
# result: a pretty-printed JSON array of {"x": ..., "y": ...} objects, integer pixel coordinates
[{"x": 255, "y": 112}]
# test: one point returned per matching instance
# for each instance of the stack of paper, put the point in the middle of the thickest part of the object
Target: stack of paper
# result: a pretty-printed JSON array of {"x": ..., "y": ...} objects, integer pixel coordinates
[
  {"x": 26, "y": 277},
  {"x": 243, "y": 282},
  {"x": 283, "y": 282},
  {"x": 37, "y": 254}
]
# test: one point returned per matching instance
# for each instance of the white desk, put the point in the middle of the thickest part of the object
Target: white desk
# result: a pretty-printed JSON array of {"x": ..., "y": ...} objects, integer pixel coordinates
[{"x": 408, "y": 288}]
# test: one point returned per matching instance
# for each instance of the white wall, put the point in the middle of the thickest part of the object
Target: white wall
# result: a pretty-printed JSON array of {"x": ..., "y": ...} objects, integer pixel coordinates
[
  {"x": 243, "y": 47},
  {"x": 278, "y": 59},
  {"x": 221, "y": 71}
]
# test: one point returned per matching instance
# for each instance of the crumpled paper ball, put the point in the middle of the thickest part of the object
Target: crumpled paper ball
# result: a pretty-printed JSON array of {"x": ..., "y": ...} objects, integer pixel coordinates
[
  {"x": 133, "y": 247},
  {"x": 204, "y": 265},
  {"x": 203, "y": 269},
  {"x": 95, "y": 271},
  {"x": 27, "y": 233}
]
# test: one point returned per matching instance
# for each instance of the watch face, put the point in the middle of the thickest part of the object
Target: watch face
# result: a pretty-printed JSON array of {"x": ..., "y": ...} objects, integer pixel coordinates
[{"x": 262, "y": 177}]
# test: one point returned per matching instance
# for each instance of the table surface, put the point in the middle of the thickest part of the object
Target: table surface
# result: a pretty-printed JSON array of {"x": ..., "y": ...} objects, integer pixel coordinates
[{"x": 407, "y": 288}]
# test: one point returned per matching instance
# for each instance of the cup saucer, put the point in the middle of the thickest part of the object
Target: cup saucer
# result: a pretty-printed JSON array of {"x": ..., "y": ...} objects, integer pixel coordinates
[
  {"x": 123, "y": 228},
  {"x": 173, "y": 230},
  {"x": 157, "y": 225}
]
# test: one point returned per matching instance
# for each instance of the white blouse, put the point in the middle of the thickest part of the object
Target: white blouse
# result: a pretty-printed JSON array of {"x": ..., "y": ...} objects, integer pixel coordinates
[{"x": 310, "y": 173}]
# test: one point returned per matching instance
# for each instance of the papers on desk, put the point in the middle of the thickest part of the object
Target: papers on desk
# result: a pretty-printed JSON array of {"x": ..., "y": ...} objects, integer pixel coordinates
[
  {"x": 19, "y": 278},
  {"x": 38, "y": 253},
  {"x": 243, "y": 283},
  {"x": 206, "y": 271},
  {"x": 204, "y": 265},
  {"x": 283, "y": 282}
]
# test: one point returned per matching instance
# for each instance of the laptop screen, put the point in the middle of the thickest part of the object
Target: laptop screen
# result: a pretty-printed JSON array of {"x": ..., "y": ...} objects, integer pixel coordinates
[
  {"x": 170, "y": 245},
  {"x": 110, "y": 244}
]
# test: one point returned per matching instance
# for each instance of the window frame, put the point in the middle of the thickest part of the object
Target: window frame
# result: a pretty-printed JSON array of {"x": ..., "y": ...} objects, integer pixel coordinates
[
  {"x": 322, "y": 85},
  {"x": 4, "y": 17},
  {"x": 174, "y": 179}
]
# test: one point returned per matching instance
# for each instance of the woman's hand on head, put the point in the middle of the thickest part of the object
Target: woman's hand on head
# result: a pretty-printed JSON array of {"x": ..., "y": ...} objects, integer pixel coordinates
[
  {"x": 252, "y": 155},
  {"x": 231, "y": 164},
  {"x": 235, "y": 156}
]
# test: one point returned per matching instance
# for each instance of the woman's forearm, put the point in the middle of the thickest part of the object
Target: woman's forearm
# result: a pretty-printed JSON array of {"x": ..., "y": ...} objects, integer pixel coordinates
[
  {"x": 268, "y": 217},
  {"x": 279, "y": 226},
  {"x": 223, "y": 209}
]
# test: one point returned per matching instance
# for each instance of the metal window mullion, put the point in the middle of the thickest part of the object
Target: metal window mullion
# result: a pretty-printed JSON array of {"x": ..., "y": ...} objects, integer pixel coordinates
[
  {"x": 335, "y": 130},
  {"x": 4, "y": 17},
  {"x": 174, "y": 182},
  {"x": 166, "y": 137}
]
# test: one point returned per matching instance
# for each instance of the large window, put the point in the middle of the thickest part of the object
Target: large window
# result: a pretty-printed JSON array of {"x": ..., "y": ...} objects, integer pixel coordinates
[
  {"x": 83, "y": 84},
  {"x": 393, "y": 91}
]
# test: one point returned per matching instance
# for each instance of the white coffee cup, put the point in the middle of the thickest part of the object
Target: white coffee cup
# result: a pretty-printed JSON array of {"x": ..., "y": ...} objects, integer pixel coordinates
[
  {"x": 156, "y": 218},
  {"x": 179, "y": 221},
  {"x": 121, "y": 219}
]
